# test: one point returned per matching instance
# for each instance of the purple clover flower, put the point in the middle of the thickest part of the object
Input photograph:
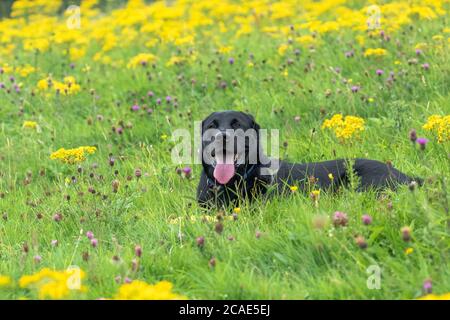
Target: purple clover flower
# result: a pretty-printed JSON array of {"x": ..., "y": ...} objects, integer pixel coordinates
[
  {"x": 366, "y": 219},
  {"x": 422, "y": 142}
]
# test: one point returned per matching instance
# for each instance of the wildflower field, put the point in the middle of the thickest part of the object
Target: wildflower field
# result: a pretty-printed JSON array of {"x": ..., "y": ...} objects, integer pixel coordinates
[{"x": 92, "y": 205}]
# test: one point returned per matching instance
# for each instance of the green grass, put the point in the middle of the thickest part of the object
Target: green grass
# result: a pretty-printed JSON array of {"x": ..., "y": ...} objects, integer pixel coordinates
[{"x": 291, "y": 259}]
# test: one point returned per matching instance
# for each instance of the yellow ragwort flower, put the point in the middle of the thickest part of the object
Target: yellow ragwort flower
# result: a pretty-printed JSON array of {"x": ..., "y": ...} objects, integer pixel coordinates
[
  {"x": 440, "y": 125},
  {"x": 141, "y": 59},
  {"x": 344, "y": 128},
  {"x": 431, "y": 296},
  {"x": 72, "y": 156},
  {"x": 140, "y": 290},
  {"x": 5, "y": 281},
  {"x": 30, "y": 124},
  {"x": 378, "y": 52},
  {"x": 53, "y": 284}
]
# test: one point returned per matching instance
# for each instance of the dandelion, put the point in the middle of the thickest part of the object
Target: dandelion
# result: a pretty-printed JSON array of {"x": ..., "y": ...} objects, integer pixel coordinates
[
  {"x": 30, "y": 124},
  {"x": 293, "y": 188},
  {"x": 409, "y": 250},
  {"x": 315, "y": 194}
]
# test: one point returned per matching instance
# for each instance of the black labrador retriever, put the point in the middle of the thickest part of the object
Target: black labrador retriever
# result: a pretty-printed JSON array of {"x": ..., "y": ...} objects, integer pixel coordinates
[{"x": 235, "y": 166}]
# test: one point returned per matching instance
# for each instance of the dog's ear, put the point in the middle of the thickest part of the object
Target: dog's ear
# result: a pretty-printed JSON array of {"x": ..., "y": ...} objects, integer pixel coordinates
[
  {"x": 205, "y": 120},
  {"x": 252, "y": 121}
]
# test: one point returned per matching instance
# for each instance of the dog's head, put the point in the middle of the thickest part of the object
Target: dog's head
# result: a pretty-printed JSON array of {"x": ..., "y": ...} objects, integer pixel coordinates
[{"x": 230, "y": 145}]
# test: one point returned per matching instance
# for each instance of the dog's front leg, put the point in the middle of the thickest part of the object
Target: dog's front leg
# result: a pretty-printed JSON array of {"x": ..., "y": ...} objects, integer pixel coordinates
[{"x": 210, "y": 194}]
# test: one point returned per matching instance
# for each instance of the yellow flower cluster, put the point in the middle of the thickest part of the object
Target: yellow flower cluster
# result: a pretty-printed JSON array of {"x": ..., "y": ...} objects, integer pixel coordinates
[
  {"x": 24, "y": 7},
  {"x": 141, "y": 58},
  {"x": 440, "y": 125},
  {"x": 139, "y": 290},
  {"x": 344, "y": 128},
  {"x": 174, "y": 23},
  {"x": 5, "y": 281},
  {"x": 54, "y": 284},
  {"x": 25, "y": 70},
  {"x": 72, "y": 156},
  {"x": 30, "y": 124},
  {"x": 431, "y": 296},
  {"x": 378, "y": 52},
  {"x": 67, "y": 87}
]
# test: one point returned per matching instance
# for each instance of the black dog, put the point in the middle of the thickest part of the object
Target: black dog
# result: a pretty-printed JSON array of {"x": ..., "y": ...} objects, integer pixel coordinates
[{"x": 234, "y": 165}]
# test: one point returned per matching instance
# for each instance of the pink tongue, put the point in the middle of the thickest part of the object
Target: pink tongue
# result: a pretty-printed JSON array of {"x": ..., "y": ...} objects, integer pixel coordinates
[{"x": 223, "y": 172}]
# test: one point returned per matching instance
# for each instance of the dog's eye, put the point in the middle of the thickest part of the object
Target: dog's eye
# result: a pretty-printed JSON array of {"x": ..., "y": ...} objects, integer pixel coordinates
[
  {"x": 212, "y": 125},
  {"x": 235, "y": 124}
]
